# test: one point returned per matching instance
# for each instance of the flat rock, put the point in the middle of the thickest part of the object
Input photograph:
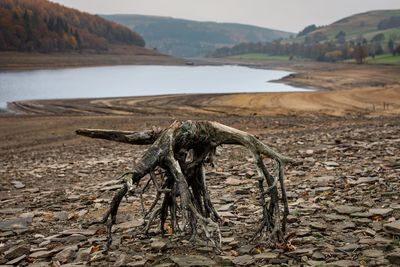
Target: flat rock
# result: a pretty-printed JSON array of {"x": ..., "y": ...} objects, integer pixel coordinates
[
  {"x": 16, "y": 260},
  {"x": 192, "y": 260},
  {"x": 11, "y": 211},
  {"x": 323, "y": 180},
  {"x": 121, "y": 261},
  {"x": 233, "y": 181},
  {"x": 331, "y": 164},
  {"x": 139, "y": 263},
  {"x": 43, "y": 254},
  {"x": 343, "y": 263},
  {"x": 361, "y": 214},
  {"x": 317, "y": 255},
  {"x": 86, "y": 232},
  {"x": 335, "y": 217},
  {"x": 364, "y": 180},
  {"x": 344, "y": 209},
  {"x": 226, "y": 207},
  {"x": 158, "y": 245},
  {"x": 14, "y": 224},
  {"x": 323, "y": 189},
  {"x": 381, "y": 212},
  {"x": 303, "y": 251},
  {"x": 227, "y": 240},
  {"x": 393, "y": 227},
  {"x": 373, "y": 253},
  {"x": 318, "y": 225},
  {"x": 66, "y": 255},
  {"x": 349, "y": 247},
  {"x": 62, "y": 215},
  {"x": 226, "y": 214},
  {"x": 83, "y": 254},
  {"x": 18, "y": 184},
  {"x": 128, "y": 225},
  {"x": 243, "y": 260},
  {"x": 16, "y": 252},
  {"x": 266, "y": 256}
]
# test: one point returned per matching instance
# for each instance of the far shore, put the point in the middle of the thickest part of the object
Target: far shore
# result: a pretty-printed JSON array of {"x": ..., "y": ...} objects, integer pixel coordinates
[{"x": 14, "y": 61}]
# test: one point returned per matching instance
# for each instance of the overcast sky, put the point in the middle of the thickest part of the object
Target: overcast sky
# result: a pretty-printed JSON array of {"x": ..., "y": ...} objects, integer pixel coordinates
[{"x": 289, "y": 15}]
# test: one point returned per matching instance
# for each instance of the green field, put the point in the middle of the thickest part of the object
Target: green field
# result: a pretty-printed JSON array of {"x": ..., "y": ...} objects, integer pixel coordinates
[
  {"x": 387, "y": 59},
  {"x": 259, "y": 56}
]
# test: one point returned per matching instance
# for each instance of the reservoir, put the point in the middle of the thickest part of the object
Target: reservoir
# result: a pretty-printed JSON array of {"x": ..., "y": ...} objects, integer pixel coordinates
[{"x": 136, "y": 80}]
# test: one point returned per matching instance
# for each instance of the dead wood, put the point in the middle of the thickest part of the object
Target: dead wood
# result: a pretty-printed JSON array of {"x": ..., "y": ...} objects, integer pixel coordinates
[{"x": 177, "y": 157}]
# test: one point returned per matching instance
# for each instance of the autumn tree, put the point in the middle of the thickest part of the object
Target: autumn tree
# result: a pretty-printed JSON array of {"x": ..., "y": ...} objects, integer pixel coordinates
[{"x": 44, "y": 26}]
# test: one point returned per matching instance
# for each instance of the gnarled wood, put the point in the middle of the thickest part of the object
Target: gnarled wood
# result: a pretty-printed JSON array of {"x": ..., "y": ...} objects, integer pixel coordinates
[{"x": 184, "y": 177}]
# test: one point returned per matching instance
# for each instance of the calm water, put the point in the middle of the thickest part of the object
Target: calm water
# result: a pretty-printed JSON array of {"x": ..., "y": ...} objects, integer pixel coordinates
[{"x": 136, "y": 81}]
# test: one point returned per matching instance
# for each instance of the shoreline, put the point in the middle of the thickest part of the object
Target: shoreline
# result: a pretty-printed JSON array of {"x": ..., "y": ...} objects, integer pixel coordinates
[
  {"x": 39, "y": 61},
  {"x": 338, "y": 89}
]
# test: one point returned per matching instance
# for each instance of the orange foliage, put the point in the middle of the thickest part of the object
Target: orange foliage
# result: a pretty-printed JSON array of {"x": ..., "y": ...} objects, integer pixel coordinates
[{"x": 43, "y": 26}]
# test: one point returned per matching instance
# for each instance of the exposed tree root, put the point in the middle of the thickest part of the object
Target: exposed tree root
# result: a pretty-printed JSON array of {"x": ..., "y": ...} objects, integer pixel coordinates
[{"x": 177, "y": 157}]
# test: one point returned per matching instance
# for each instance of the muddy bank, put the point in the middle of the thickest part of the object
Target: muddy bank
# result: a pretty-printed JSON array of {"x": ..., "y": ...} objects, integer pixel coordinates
[{"x": 35, "y": 61}]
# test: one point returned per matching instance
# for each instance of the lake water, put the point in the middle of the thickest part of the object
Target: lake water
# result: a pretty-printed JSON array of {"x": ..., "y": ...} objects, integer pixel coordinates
[{"x": 117, "y": 81}]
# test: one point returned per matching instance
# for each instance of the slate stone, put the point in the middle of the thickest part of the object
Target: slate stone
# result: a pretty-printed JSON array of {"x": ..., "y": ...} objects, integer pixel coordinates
[
  {"x": 16, "y": 252},
  {"x": 192, "y": 260},
  {"x": 393, "y": 227}
]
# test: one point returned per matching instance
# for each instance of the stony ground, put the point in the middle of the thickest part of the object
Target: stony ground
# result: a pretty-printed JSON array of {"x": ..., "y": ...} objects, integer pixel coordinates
[{"x": 344, "y": 198}]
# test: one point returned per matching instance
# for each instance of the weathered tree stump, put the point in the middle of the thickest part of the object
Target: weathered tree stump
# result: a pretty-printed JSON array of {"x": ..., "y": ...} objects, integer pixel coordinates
[{"x": 177, "y": 157}]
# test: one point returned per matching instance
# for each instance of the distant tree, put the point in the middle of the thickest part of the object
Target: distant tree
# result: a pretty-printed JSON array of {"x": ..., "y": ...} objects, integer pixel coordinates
[
  {"x": 391, "y": 46},
  {"x": 380, "y": 37},
  {"x": 360, "y": 53},
  {"x": 396, "y": 51},
  {"x": 341, "y": 37},
  {"x": 378, "y": 49},
  {"x": 334, "y": 56},
  {"x": 27, "y": 26},
  {"x": 307, "y": 30}
]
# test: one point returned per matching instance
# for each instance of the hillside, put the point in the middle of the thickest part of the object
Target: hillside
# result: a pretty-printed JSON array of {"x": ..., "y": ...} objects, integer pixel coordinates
[
  {"x": 365, "y": 25},
  {"x": 43, "y": 26},
  {"x": 372, "y": 37},
  {"x": 187, "y": 38}
]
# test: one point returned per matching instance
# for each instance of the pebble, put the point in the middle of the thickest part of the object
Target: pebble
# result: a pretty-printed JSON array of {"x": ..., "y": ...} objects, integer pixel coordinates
[{"x": 18, "y": 184}]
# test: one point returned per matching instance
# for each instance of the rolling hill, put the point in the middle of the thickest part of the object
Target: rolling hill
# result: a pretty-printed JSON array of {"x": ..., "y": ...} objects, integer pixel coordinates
[
  {"x": 365, "y": 25},
  {"x": 372, "y": 36},
  {"x": 187, "y": 38},
  {"x": 43, "y": 26}
]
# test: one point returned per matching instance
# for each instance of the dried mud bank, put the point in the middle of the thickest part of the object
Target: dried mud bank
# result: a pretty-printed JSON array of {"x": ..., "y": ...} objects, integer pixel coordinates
[{"x": 344, "y": 201}]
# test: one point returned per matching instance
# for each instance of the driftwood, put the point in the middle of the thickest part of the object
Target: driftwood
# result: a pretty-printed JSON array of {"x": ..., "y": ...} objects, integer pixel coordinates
[{"x": 175, "y": 164}]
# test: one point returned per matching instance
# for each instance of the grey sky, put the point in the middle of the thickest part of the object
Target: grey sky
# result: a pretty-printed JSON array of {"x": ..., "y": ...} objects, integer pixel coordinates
[{"x": 290, "y": 15}]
